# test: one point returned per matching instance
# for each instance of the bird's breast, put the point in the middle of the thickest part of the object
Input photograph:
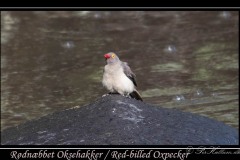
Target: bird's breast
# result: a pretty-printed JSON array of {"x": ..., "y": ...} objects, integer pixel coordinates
[{"x": 114, "y": 79}]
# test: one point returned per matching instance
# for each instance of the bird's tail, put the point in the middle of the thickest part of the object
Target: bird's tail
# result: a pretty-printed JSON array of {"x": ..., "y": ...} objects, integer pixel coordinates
[{"x": 135, "y": 94}]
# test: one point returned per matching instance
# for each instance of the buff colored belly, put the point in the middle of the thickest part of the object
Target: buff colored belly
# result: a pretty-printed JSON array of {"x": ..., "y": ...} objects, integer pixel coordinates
[{"x": 118, "y": 82}]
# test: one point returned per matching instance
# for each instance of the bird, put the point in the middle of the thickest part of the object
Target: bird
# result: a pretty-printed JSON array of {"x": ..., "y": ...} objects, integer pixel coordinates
[{"x": 119, "y": 78}]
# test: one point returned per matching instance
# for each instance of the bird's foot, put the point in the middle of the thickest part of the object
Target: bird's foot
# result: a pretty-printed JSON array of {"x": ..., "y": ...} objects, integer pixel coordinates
[
  {"x": 105, "y": 95},
  {"x": 108, "y": 94},
  {"x": 111, "y": 93},
  {"x": 127, "y": 95}
]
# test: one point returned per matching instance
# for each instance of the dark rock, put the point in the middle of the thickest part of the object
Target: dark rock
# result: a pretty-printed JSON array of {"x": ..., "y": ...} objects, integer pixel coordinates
[{"x": 117, "y": 120}]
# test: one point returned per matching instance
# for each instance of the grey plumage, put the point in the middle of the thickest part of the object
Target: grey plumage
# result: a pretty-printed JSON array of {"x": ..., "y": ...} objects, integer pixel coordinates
[
  {"x": 119, "y": 78},
  {"x": 128, "y": 72}
]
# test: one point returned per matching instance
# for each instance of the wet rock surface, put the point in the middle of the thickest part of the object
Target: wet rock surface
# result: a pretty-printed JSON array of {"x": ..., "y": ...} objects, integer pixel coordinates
[{"x": 117, "y": 120}]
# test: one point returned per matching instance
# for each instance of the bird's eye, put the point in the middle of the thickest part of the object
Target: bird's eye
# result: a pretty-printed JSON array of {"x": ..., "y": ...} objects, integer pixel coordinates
[{"x": 113, "y": 55}]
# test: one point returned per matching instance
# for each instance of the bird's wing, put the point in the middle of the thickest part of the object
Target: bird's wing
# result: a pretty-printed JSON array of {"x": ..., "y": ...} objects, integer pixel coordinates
[{"x": 128, "y": 72}]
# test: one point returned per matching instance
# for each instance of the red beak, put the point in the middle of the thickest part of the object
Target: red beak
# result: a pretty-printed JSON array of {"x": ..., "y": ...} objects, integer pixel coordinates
[{"x": 107, "y": 56}]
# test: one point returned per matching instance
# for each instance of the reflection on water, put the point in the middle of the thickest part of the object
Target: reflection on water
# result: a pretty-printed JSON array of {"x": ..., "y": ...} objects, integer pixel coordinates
[{"x": 51, "y": 61}]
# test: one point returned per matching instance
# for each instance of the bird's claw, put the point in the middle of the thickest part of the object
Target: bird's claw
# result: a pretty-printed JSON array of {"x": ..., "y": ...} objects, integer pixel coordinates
[
  {"x": 127, "y": 95},
  {"x": 105, "y": 95}
]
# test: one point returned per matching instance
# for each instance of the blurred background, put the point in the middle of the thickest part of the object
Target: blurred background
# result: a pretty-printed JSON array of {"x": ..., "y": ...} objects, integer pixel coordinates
[{"x": 53, "y": 60}]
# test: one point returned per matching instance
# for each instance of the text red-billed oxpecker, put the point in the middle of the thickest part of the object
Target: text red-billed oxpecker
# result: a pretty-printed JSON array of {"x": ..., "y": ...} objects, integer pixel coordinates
[{"x": 119, "y": 78}]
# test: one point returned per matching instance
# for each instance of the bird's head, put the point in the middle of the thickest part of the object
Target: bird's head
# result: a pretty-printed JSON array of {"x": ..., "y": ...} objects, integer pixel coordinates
[{"x": 111, "y": 58}]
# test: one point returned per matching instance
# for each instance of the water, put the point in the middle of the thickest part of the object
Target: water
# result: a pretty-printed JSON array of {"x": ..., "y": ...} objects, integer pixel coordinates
[{"x": 52, "y": 60}]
